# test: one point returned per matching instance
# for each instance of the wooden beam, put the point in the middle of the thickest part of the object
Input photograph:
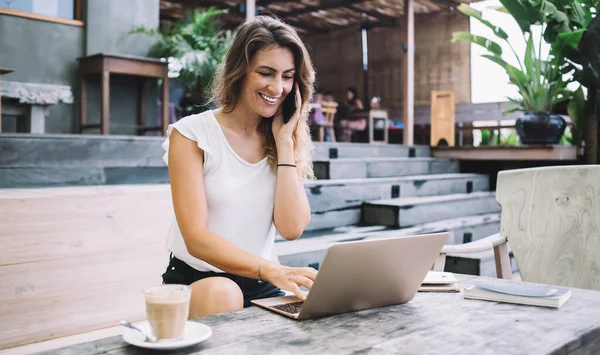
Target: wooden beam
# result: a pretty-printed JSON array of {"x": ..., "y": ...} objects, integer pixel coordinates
[
  {"x": 207, "y": 3},
  {"x": 331, "y": 4},
  {"x": 305, "y": 26},
  {"x": 388, "y": 19},
  {"x": 408, "y": 76},
  {"x": 265, "y": 3}
]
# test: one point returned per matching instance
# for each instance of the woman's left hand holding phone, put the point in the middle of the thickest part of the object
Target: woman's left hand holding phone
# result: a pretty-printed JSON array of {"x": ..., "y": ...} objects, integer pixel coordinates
[{"x": 282, "y": 132}]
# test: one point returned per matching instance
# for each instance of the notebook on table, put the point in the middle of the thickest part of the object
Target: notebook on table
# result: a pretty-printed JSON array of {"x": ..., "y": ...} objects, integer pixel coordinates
[
  {"x": 439, "y": 281},
  {"x": 526, "y": 294}
]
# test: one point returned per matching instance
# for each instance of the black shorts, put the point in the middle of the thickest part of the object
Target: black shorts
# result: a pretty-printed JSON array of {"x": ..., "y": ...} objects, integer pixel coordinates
[{"x": 178, "y": 272}]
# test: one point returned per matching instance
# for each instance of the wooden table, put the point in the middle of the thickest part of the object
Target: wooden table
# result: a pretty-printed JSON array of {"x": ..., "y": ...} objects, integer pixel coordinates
[
  {"x": 106, "y": 64},
  {"x": 432, "y": 323},
  {"x": 373, "y": 115},
  {"x": 2, "y": 72}
]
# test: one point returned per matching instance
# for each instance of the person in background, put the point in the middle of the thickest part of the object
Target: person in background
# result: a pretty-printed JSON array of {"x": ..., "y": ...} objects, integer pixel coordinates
[{"x": 348, "y": 126}]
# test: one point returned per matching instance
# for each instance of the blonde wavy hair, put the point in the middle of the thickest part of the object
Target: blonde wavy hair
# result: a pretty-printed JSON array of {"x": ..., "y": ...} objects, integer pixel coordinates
[{"x": 252, "y": 36}]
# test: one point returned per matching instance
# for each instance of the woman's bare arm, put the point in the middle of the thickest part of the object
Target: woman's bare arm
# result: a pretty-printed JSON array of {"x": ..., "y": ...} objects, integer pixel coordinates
[
  {"x": 292, "y": 210},
  {"x": 186, "y": 173}
]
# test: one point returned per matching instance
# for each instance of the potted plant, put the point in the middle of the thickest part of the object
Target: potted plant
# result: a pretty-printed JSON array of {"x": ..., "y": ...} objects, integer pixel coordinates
[
  {"x": 541, "y": 79},
  {"x": 194, "y": 47}
]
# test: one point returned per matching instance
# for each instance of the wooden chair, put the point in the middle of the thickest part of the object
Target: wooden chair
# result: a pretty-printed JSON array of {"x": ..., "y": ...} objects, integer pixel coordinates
[
  {"x": 442, "y": 118},
  {"x": 551, "y": 219},
  {"x": 329, "y": 110}
]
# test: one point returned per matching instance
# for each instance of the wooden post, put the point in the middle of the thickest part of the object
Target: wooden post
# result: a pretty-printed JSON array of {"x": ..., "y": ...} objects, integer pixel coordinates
[
  {"x": 2, "y": 72},
  {"x": 82, "y": 102},
  {"x": 105, "y": 108},
  {"x": 250, "y": 9},
  {"x": 591, "y": 139},
  {"x": 165, "y": 103},
  {"x": 142, "y": 107},
  {"x": 409, "y": 72}
]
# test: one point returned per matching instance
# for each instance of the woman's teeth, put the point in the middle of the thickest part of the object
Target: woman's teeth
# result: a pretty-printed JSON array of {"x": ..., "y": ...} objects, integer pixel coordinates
[{"x": 269, "y": 99}]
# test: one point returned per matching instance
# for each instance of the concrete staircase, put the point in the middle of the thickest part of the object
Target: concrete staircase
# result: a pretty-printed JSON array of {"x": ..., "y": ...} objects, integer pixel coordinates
[
  {"x": 28, "y": 160},
  {"x": 362, "y": 191},
  {"x": 377, "y": 191}
]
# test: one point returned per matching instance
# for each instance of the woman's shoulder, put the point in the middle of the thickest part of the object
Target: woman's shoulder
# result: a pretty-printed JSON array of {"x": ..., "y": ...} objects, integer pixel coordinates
[
  {"x": 197, "y": 121},
  {"x": 199, "y": 128}
]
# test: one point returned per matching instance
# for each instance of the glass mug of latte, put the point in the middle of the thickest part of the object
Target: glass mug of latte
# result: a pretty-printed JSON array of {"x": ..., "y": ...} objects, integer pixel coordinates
[{"x": 167, "y": 310}]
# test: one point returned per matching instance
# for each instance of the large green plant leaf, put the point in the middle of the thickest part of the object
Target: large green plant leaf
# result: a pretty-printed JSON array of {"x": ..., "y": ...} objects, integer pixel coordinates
[
  {"x": 577, "y": 112},
  {"x": 522, "y": 12},
  {"x": 469, "y": 11},
  {"x": 517, "y": 77},
  {"x": 531, "y": 63},
  {"x": 479, "y": 40},
  {"x": 565, "y": 42}
]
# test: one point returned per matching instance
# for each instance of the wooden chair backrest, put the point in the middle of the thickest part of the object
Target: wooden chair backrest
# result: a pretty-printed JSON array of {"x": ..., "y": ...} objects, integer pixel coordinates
[
  {"x": 329, "y": 109},
  {"x": 442, "y": 118},
  {"x": 77, "y": 259},
  {"x": 551, "y": 218}
]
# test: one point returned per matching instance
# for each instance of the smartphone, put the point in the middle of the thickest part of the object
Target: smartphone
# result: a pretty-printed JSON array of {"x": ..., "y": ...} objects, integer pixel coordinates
[{"x": 289, "y": 106}]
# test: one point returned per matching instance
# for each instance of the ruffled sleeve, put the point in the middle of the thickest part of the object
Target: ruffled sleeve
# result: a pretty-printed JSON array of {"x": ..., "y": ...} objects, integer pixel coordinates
[{"x": 194, "y": 128}]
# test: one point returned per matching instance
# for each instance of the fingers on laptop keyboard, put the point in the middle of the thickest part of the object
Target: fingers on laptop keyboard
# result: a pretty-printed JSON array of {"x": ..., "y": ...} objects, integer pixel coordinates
[
  {"x": 296, "y": 290},
  {"x": 303, "y": 281},
  {"x": 310, "y": 273}
]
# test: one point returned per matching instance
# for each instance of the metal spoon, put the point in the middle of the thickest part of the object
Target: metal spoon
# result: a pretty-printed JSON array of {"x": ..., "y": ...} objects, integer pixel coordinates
[{"x": 148, "y": 338}]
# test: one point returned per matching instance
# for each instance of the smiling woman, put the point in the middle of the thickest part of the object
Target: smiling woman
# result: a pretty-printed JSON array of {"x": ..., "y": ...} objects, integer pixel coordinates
[{"x": 237, "y": 174}]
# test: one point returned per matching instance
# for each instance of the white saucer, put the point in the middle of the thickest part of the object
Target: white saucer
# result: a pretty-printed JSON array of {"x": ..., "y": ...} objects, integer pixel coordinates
[{"x": 194, "y": 333}]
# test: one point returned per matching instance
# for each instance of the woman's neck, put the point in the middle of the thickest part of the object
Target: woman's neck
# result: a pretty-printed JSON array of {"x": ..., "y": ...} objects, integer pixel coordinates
[{"x": 242, "y": 119}]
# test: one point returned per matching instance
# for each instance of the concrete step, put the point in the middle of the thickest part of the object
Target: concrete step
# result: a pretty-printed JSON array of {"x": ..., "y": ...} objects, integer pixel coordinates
[
  {"x": 51, "y": 150},
  {"x": 336, "y": 203},
  {"x": 73, "y": 150},
  {"x": 28, "y": 177},
  {"x": 310, "y": 250},
  {"x": 356, "y": 168},
  {"x": 32, "y": 160},
  {"x": 410, "y": 211},
  {"x": 324, "y": 151}
]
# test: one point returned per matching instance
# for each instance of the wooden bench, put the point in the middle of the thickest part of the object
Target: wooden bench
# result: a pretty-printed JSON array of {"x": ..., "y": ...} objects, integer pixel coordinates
[
  {"x": 77, "y": 259},
  {"x": 31, "y": 101}
]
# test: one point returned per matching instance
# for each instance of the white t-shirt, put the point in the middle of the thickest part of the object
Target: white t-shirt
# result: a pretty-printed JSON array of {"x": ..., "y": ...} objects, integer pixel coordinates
[{"x": 240, "y": 195}]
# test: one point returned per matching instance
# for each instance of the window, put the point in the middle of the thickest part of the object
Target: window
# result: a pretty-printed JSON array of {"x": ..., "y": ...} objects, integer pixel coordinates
[{"x": 62, "y": 11}]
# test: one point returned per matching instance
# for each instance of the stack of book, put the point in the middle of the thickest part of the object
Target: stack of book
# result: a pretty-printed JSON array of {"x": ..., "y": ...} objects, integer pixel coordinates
[
  {"x": 527, "y": 294},
  {"x": 437, "y": 281}
]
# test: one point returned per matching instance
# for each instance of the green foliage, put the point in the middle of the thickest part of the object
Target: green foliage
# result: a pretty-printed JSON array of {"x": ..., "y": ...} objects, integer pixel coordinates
[
  {"x": 572, "y": 29},
  {"x": 194, "y": 48},
  {"x": 539, "y": 78},
  {"x": 486, "y": 137},
  {"x": 511, "y": 140}
]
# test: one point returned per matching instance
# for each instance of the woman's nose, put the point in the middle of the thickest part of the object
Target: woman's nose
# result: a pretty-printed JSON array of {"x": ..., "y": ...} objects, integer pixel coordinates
[{"x": 276, "y": 87}]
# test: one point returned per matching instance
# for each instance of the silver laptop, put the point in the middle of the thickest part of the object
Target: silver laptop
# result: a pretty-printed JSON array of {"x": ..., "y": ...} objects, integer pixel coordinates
[{"x": 364, "y": 274}]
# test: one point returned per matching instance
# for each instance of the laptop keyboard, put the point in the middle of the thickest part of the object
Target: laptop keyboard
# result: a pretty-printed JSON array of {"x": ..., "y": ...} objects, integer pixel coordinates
[{"x": 291, "y": 308}]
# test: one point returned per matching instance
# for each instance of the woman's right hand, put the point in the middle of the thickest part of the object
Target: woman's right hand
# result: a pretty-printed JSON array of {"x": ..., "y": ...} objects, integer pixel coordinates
[{"x": 289, "y": 278}]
